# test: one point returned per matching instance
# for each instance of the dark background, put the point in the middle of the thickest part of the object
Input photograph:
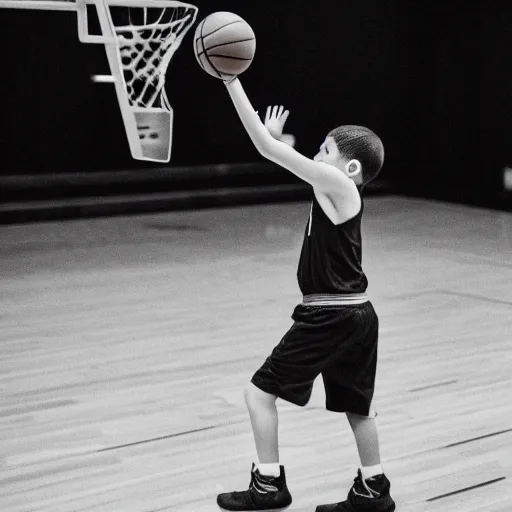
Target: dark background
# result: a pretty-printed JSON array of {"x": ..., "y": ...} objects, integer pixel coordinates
[{"x": 431, "y": 78}]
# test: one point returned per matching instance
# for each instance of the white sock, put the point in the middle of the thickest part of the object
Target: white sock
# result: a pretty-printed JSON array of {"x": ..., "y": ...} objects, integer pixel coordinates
[
  {"x": 371, "y": 471},
  {"x": 269, "y": 469}
]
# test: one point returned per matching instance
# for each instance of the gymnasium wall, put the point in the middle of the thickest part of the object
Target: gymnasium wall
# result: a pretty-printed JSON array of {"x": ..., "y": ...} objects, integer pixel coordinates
[{"x": 432, "y": 78}]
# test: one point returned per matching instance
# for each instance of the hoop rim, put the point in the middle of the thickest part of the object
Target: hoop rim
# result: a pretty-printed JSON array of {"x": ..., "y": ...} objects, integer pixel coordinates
[
  {"x": 74, "y": 5},
  {"x": 138, "y": 3}
]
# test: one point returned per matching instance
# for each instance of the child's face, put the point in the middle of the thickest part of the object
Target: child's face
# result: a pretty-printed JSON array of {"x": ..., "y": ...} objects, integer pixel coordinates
[{"x": 329, "y": 153}]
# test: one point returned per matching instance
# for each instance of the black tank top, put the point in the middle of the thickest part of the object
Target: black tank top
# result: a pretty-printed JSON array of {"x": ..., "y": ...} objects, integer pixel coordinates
[{"x": 330, "y": 259}]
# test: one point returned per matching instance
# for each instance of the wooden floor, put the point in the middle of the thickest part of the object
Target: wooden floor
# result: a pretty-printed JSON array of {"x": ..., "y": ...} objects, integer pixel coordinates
[{"x": 125, "y": 344}]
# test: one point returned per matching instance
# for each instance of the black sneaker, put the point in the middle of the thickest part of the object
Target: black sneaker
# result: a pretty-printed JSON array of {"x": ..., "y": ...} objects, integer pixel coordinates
[
  {"x": 370, "y": 495},
  {"x": 264, "y": 493}
]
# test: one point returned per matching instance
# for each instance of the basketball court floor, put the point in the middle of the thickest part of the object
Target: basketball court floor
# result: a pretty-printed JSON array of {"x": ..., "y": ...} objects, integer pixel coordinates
[{"x": 126, "y": 342}]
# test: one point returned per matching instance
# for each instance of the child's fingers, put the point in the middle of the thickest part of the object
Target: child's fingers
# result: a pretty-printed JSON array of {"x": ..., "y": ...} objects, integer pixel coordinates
[
  {"x": 267, "y": 114},
  {"x": 284, "y": 116},
  {"x": 274, "y": 111}
]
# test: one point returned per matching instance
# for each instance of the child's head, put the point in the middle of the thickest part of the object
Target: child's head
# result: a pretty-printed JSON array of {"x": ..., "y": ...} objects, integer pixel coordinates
[{"x": 356, "y": 150}]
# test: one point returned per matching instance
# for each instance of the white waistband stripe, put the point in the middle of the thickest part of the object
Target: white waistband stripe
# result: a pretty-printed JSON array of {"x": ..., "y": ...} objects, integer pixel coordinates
[{"x": 325, "y": 299}]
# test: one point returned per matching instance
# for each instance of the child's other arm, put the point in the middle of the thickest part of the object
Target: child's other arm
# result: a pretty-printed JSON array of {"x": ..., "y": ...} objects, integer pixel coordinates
[{"x": 321, "y": 176}]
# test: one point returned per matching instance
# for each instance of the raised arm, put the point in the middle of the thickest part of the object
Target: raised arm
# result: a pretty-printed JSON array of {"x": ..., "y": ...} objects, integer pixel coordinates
[{"x": 320, "y": 175}]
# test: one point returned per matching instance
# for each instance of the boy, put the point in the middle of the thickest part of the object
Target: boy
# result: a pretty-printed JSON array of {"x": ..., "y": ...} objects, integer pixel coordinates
[{"x": 335, "y": 328}]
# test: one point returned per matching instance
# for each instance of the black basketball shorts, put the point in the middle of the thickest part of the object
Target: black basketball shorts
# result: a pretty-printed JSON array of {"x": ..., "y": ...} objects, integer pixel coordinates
[{"x": 338, "y": 342}]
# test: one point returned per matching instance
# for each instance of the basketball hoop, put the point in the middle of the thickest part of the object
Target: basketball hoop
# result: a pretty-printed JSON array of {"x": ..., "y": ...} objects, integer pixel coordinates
[{"x": 140, "y": 39}]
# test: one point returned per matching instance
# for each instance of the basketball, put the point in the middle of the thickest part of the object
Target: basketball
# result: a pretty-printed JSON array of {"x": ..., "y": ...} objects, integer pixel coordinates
[{"x": 224, "y": 45}]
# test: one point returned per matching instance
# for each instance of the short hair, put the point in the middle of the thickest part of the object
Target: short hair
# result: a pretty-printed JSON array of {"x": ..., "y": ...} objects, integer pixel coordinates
[{"x": 362, "y": 144}]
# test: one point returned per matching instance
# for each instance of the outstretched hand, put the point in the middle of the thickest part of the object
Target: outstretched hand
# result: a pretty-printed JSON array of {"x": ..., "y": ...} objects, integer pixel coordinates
[{"x": 275, "y": 118}]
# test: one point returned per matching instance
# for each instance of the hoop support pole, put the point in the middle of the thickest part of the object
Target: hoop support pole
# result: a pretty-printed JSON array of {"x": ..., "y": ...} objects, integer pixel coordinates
[
  {"x": 43, "y": 6},
  {"x": 64, "y": 5}
]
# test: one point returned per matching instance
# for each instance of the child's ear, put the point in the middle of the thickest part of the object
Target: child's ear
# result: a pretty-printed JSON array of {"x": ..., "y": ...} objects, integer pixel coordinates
[{"x": 353, "y": 168}]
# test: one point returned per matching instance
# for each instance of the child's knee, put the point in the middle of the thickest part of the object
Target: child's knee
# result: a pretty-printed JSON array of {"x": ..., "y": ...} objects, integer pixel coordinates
[
  {"x": 255, "y": 397},
  {"x": 358, "y": 417}
]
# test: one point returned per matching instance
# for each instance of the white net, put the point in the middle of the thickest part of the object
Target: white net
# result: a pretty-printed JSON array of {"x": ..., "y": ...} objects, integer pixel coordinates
[
  {"x": 147, "y": 40},
  {"x": 148, "y": 33}
]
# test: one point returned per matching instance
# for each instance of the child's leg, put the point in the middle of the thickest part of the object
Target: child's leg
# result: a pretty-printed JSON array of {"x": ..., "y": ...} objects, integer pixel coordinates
[
  {"x": 371, "y": 487},
  {"x": 367, "y": 440},
  {"x": 264, "y": 420},
  {"x": 268, "y": 489}
]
